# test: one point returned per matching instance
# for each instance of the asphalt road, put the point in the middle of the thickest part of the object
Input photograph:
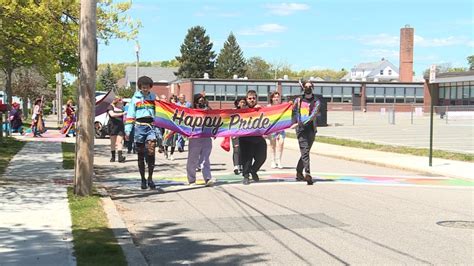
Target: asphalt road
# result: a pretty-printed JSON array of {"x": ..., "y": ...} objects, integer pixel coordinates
[{"x": 343, "y": 219}]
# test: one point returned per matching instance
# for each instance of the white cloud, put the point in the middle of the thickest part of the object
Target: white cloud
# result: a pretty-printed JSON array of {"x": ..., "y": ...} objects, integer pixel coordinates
[
  {"x": 379, "y": 53},
  {"x": 262, "y": 29},
  {"x": 285, "y": 9},
  {"x": 214, "y": 11},
  {"x": 382, "y": 39},
  {"x": 266, "y": 44},
  {"x": 441, "y": 42}
]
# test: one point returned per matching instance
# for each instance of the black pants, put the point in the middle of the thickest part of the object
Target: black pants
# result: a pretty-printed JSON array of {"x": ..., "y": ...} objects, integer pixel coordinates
[
  {"x": 252, "y": 149},
  {"x": 305, "y": 140},
  {"x": 235, "y": 148}
]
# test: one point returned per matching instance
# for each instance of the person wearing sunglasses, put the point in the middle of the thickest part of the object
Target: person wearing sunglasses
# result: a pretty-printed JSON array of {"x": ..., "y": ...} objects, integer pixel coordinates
[
  {"x": 253, "y": 149},
  {"x": 305, "y": 109}
]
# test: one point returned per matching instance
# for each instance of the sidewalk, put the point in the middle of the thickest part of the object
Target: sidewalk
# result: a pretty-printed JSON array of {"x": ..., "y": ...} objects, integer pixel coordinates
[
  {"x": 35, "y": 224},
  {"x": 445, "y": 167}
]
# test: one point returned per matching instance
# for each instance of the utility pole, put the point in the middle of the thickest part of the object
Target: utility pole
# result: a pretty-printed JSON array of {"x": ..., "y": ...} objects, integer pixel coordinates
[
  {"x": 84, "y": 164},
  {"x": 137, "y": 51}
]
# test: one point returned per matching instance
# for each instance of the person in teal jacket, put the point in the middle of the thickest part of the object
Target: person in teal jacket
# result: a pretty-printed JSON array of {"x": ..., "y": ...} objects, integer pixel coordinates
[{"x": 140, "y": 116}]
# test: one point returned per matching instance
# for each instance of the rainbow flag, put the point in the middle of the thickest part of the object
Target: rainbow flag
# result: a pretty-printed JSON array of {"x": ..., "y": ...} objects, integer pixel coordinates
[
  {"x": 196, "y": 123},
  {"x": 103, "y": 103}
]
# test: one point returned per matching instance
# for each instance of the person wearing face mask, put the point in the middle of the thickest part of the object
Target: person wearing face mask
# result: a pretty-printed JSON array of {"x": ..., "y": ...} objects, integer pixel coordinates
[
  {"x": 306, "y": 105},
  {"x": 253, "y": 149},
  {"x": 199, "y": 150},
  {"x": 140, "y": 116}
]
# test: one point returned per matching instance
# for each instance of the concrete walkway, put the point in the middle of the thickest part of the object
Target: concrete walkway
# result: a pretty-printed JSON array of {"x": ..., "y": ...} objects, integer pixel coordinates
[{"x": 35, "y": 224}]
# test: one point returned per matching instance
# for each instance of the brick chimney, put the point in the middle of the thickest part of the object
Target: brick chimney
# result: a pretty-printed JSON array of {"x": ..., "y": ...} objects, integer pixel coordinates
[{"x": 406, "y": 53}]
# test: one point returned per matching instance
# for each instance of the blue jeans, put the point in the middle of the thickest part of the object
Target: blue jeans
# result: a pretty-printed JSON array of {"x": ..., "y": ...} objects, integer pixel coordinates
[{"x": 144, "y": 133}]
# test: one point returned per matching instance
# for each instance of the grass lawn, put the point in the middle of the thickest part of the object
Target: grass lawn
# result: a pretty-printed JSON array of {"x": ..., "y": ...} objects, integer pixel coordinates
[
  {"x": 389, "y": 148},
  {"x": 8, "y": 148},
  {"x": 94, "y": 242},
  {"x": 69, "y": 151}
]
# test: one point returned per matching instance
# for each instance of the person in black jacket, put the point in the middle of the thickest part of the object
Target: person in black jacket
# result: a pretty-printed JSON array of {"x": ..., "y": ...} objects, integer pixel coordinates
[
  {"x": 253, "y": 149},
  {"x": 305, "y": 109}
]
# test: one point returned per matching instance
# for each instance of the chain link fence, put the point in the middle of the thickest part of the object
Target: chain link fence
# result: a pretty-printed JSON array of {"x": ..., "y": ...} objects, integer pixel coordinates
[{"x": 406, "y": 125}]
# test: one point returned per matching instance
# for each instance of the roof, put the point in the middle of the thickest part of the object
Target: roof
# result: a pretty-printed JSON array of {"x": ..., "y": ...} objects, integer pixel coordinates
[
  {"x": 454, "y": 76},
  {"x": 157, "y": 74}
]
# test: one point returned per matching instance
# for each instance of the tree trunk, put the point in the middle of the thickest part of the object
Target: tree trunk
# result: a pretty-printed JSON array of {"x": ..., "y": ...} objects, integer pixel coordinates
[
  {"x": 84, "y": 164},
  {"x": 25, "y": 107},
  {"x": 8, "y": 85}
]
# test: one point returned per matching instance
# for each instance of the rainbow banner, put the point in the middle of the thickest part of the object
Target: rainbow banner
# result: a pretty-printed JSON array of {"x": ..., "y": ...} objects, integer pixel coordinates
[{"x": 196, "y": 123}]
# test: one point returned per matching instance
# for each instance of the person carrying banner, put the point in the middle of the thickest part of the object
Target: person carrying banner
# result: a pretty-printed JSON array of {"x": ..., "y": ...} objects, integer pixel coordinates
[
  {"x": 238, "y": 103},
  {"x": 307, "y": 106},
  {"x": 199, "y": 150},
  {"x": 181, "y": 139},
  {"x": 277, "y": 139},
  {"x": 253, "y": 149},
  {"x": 140, "y": 115}
]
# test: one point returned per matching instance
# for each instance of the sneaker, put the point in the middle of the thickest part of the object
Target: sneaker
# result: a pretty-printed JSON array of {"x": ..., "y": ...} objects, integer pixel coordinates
[
  {"x": 308, "y": 179},
  {"x": 236, "y": 170},
  {"x": 209, "y": 183},
  {"x": 151, "y": 184},
  {"x": 278, "y": 165},
  {"x": 180, "y": 149},
  {"x": 255, "y": 177},
  {"x": 171, "y": 158},
  {"x": 299, "y": 176},
  {"x": 193, "y": 184},
  {"x": 198, "y": 169},
  {"x": 274, "y": 165},
  {"x": 246, "y": 181},
  {"x": 144, "y": 184}
]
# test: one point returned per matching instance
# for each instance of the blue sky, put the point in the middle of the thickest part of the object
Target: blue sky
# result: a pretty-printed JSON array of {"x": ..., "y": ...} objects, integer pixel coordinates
[{"x": 305, "y": 34}]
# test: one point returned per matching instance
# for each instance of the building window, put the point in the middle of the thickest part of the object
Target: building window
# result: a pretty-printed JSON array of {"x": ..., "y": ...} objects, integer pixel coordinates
[
  {"x": 210, "y": 92},
  {"x": 381, "y": 72},
  {"x": 347, "y": 94},
  {"x": 389, "y": 72},
  {"x": 230, "y": 92},
  {"x": 262, "y": 93}
]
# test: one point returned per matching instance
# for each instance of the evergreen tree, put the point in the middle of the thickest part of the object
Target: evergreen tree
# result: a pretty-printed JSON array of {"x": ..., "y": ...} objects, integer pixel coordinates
[
  {"x": 107, "y": 80},
  {"x": 230, "y": 60},
  {"x": 196, "y": 55}
]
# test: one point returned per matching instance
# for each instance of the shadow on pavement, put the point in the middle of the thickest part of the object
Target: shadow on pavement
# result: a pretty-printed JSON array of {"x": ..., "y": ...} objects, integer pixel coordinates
[{"x": 167, "y": 243}]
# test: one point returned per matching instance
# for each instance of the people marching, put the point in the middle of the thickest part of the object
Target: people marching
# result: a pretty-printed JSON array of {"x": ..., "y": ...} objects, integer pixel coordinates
[
  {"x": 249, "y": 152},
  {"x": 140, "y": 116},
  {"x": 116, "y": 129},
  {"x": 69, "y": 125},
  {"x": 305, "y": 130}
]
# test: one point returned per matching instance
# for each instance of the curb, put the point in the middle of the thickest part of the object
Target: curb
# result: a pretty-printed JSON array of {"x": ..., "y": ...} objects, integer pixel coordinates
[{"x": 133, "y": 256}]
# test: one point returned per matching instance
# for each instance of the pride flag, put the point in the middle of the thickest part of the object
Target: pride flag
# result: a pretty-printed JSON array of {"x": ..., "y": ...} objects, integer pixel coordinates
[
  {"x": 196, "y": 123},
  {"x": 103, "y": 103}
]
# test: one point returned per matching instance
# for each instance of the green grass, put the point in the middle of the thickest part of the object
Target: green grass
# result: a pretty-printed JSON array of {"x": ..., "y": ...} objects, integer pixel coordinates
[
  {"x": 69, "y": 151},
  {"x": 94, "y": 242},
  {"x": 8, "y": 148},
  {"x": 396, "y": 149}
]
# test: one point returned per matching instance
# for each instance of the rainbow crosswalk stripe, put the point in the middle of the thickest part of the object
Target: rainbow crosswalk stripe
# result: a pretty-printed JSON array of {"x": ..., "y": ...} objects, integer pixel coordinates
[{"x": 223, "y": 123}]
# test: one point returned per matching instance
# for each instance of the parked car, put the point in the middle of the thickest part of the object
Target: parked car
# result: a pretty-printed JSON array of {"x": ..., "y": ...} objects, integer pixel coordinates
[{"x": 102, "y": 120}]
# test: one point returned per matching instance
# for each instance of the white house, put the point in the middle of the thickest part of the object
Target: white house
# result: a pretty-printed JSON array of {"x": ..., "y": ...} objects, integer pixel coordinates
[{"x": 382, "y": 71}]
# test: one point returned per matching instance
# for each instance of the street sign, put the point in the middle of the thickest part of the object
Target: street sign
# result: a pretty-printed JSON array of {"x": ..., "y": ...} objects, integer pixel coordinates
[{"x": 432, "y": 73}]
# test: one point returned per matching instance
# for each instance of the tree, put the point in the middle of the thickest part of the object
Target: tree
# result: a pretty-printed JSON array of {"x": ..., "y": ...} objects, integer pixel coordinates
[
  {"x": 470, "y": 61},
  {"x": 230, "y": 61},
  {"x": 45, "y": 33},
  {"x": 107, "y": 81},
  {"x": 197, "y": 56},
  {"x": 257, "y": 68},
  {"x": 29, "y": 84}
]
